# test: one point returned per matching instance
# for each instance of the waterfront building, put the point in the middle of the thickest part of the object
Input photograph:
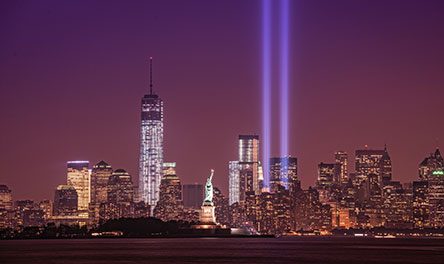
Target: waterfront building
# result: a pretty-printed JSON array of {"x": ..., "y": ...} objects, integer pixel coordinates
[
  {"x": 65, "y": 201},
  {"x": 151, "y": 146},
  {"x": 431, "y": 170},
  {"x": 100, "y": 175},
  {"x": 421, "y": 205},
  {"x": 248, "y": 164},
  {"x": 47, "y": 208},
  {"x": 5, "y": 198},
  {"x": 170, "y": 206},
  {"x": 221, "y": 207},
  {"x": 233, "y": 182},
  {"x": 120, "y": 188},
  {"x": 79, "y": 177}
]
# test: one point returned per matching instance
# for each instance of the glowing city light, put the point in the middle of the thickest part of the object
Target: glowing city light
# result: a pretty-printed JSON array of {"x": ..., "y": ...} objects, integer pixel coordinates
[
  {"x": 438, "y": 173},
  {"x": 266, "y": 87}
]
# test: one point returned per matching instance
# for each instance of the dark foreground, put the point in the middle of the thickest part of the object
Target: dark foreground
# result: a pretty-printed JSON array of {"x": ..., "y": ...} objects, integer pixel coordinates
[{"x": 224, "y": 250}]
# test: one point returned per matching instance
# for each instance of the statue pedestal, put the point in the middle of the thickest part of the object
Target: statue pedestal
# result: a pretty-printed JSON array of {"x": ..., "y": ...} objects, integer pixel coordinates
[{"x": 207, "y": 214}]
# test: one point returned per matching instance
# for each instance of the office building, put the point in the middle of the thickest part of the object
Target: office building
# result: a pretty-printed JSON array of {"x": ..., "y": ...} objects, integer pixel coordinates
[
  {"x": 248, "y": 164},
  {"x": 65, "y": 201},
  {"x": 170, "y": 206},
  {"x": 233, "y": 181},
  {"x": 283, "y": 172},
  {"x": 341, "y": 162},
  {"x": 151, "y": 146},
  {"x": 79, "y": 177}
]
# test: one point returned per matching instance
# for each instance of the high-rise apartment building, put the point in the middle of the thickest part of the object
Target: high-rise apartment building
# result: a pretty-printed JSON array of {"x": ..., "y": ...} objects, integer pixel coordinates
[
  {"x": 283, "y": 172},
  {"x": 151, "y": 146},
  {"x": 79, "y": 177}
]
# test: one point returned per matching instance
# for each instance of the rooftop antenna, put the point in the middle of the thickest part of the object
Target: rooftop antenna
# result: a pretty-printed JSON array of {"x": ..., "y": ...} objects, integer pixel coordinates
[{"x": 151, "y": 75}]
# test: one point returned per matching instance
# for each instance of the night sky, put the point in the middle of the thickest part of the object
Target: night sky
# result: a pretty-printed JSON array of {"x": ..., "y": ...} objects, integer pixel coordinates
[{"x": 72, "y": 74}]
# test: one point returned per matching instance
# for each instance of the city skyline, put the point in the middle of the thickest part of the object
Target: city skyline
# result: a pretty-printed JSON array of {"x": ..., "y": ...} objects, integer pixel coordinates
[{"x": 91, "y": 113}]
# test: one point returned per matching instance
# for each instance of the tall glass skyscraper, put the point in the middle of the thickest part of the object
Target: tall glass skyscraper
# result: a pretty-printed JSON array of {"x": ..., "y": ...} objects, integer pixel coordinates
[
  {"x": 248, "y": 164},
  {"x": 151, "y": 146},
  {"x": 79, "y": 177}
]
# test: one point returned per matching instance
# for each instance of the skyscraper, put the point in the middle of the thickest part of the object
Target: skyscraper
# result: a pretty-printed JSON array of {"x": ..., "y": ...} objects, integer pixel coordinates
[
  {"x": 248, "y": 164},
  {"x": 283, "y": 172},
  {"x": 99, "y": 180},
  {"x": 386, "y": 168},
  {"x": 233, "y": 181},
  {"x": 5, "y": 198},
  {"x": 431, "y": 171},
  {"x": 151, "y": 146},
  {"x": 341, "y": 161},
  {"x": 120, "y": 188},
  {"x": 79, "y": 177},
  {"x": 326, "y": 173},
  {"x": 368, "y": 161},
  {"x": 170, "y": 205}
]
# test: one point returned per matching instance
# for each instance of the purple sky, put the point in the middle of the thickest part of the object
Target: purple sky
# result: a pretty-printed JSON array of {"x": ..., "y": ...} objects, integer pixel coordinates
[{"x": 72, "y": 74}]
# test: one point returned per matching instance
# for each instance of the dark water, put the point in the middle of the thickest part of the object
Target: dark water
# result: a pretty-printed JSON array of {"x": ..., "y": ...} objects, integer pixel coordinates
[{"x": 224, "y": 250}]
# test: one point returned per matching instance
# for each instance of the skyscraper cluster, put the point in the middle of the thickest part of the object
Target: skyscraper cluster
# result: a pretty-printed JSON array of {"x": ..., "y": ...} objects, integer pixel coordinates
[{"x": 341, "y": 199}]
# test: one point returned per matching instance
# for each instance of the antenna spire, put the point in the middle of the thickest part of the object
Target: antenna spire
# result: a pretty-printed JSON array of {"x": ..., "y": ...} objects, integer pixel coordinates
[{"x": 151, "y": 75}]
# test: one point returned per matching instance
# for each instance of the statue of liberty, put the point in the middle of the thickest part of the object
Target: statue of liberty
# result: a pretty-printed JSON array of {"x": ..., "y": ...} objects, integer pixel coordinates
[{"x": 209, "y": 190}]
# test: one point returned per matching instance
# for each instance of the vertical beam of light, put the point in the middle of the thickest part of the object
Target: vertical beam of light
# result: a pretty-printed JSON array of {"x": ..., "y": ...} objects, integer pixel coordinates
[
  {"x": 266, "y": 88},
  {"x": 284, "y": 25}
]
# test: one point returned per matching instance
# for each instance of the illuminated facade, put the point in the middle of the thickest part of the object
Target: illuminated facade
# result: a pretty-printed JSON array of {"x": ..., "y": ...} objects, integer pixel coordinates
[
  {"x": 248, "y": 164},
  {"x": 326, "y": 174},
  {"x": 283, "y": 172},
  {"x": 341, "y": 161},
  {"x": 233, "y": 181},
  {"x": 120, "y": 188},
  {"x": 170, "y": 206},
  {"x": 368, "y": 161},
  {"x": 5, "y": 198},
  {"x": 151, "y": 148},
  {"x": 431, "y": 171},
  {"x": 79, "y": 177},
  {"x": 65, "y": 201},
  {"x": 386, "y": 168},
  {"x": 100, "y": 175},
  {"x": 99, "y": 181}
]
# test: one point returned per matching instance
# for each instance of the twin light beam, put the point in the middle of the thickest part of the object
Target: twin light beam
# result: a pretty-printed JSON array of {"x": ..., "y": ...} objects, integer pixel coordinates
[{"x": 266, "y": 83}]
